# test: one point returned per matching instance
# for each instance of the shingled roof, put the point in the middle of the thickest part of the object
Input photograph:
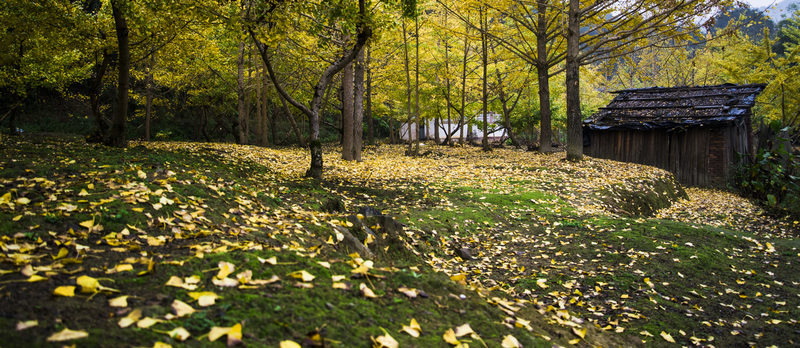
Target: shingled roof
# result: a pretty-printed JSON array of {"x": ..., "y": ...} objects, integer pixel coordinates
[{"x": 658, "y": 107}]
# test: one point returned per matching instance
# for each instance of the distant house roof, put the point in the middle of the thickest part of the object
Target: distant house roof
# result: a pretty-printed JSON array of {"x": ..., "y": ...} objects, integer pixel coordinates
[{"x": 658, "y": 107}]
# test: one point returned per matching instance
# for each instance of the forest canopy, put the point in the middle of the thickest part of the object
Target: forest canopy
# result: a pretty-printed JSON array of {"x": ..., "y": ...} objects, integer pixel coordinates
[{"x": 303, "y": 73}]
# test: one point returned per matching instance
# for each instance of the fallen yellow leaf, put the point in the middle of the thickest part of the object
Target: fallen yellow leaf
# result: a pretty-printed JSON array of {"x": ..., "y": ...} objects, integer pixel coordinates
[
  {"x": 67, "y": 291},
  {"x": 67, "y": 335},
  {"x": 303, "y": 275},
  {"x": 510, "y": 342}
]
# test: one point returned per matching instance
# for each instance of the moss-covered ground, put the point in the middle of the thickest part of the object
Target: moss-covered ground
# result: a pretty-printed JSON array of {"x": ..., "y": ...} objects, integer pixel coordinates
[{"x": 558, "y": 253}]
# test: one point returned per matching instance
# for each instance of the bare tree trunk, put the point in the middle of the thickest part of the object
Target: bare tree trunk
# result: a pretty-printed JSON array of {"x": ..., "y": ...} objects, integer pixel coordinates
[
  {"x": 358, "y": 106},
  {"x": 259, "y": 119},
  {"x": 368, "y": 108},
  {"x": 543, "y": 73},
  {"x": 301, "y": 140},
  {"x": 240, "y": 91},
  {"x": 574, "y": 130},
  {"x": 418, "y": 126},
  {"x": 409, "y": 119},
  {"x": 484, "y": 44},
  {"x": 94, "y": 99},
  {"x": 117, "y": 136},
  {"x": 347, "y": 112},
  {"x": 463, "y": 112},
  {"x": 148, "y": 108}
]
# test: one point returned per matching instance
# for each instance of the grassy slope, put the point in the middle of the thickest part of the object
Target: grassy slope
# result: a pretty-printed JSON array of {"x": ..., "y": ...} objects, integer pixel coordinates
[{"x": 236, "y": 206}]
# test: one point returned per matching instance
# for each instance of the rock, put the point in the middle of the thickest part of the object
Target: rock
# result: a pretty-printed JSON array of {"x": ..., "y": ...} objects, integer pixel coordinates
[
  {"x": 464, "y": 253},
  {"x": 333, "y": 205},
  {"x": 369, "y": 211}
]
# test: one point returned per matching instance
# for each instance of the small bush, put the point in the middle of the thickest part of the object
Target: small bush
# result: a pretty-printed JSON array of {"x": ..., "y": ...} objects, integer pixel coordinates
[{"x": 773, "y": 178}]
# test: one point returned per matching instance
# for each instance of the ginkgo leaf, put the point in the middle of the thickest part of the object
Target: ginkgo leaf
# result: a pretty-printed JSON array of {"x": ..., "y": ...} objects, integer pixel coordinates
[
  {"x": 131, "y": 318},
  {"x": 147, "y": 322},
  {"x": 182, "y": 308},
  {"x": 67, "y": 335},
  {"x": 510, "y": 342},
  {"x": 179, "y": 283},
  {"x": 449, "y": 336},
  {"x": 204, "y": 298},
  {"x": 463, "y": 330},
  {"x": 88, "y": 224},
  {"x": 62, "y": 253},
  {"x": 35, "y": 278},
  {"x": 235, "y": 335},
  {"x": 579, "y": 332},
  {"x": 92, "y": 285},
  {"x": 649, "y": 283},
  {"x": 366, "y": 291},
  {"x": 225, "y": 282},
  {"x": 272, "y": 260},
  {"x": 225, "y": 268},
  {"x": 302, "y": 275},
  {"x": 161, "y": 345},
  {"x": 23, "y": 201},
  {"x": 542, "y": 283},
  {"x": 24, "y": 325},
  {"x": 459, "y": 278},
  {"x": 667, "y": 337},
  {"x": 67, "y": 291},
  {"x": 289, "y": 344},
  {"x": 217, "y": 332},
  {"x": 411, "y": 293},
  {"x": 179, "y": 333},
  {"x": 119, "y": 302},
  {"x": 384, "y": 341},
  {"x": 413, "y": 328}
]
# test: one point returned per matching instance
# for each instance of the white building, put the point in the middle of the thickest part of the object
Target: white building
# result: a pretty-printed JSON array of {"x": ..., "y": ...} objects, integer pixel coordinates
[{"x": 475, "y": 131}]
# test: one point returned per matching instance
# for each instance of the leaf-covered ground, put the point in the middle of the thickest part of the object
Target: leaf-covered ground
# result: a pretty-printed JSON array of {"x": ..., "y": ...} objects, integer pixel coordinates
[{"x": 185, "y": 243}]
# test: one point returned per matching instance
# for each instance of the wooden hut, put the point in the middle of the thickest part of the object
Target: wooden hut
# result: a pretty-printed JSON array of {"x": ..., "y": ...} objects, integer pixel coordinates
[{"x": 697, "y": 133}]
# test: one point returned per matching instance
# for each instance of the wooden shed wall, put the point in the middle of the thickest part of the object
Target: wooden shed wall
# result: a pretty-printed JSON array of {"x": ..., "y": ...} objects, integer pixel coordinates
[{"x": 698, "y": 156}]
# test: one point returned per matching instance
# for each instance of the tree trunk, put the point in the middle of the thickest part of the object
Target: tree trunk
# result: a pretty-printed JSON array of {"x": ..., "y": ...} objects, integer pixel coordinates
[
  {"x": 301, "y": 140},
  {"x": 148, "y": 108},
  {"x": 418, "y": 121},
  {"x": 543, "y": 73},
  {"x": 574, "y": 130},
  {"x": 314, "y": 107},
  {"x": 96, "y": 87},
  {"x": 484, "y": 46},
  {"x": 368, "y": 97},
  {"x": 358, "y": 105},
  {"x": 409, "y": 119},
  {"x": 117, "y": 136},
  {"x": 347, "y": 112},
  {"x": 240, "y": 91}
]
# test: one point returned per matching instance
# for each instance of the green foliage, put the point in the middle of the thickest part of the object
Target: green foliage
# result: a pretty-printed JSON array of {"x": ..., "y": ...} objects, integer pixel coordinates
[{"x": 773, "y": 178}]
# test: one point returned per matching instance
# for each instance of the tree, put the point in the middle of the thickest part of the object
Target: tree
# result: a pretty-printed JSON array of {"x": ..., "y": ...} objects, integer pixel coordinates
[
  {"x": 117, "y": 136},
  {"x": 268, "y": 20}
]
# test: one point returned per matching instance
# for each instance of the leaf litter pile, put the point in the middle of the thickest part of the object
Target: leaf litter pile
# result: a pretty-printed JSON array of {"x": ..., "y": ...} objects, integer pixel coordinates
[{"x": 182, "y": 243}]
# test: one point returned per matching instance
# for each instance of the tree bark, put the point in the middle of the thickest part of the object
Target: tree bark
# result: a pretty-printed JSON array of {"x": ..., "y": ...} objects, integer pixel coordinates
[
  {"x": 485, "y": 54},
  {"x": 574, "y": 118},
  {"x": 240, "y": 91},
  {"x": 409, "y": 119},
  {"x": 358, "y": 105},
  {"x": 117, "y": 136},
  {"x": 368, "y": 97},
  {"x": 418, "y": 121},
  {"x": 543, "y": 74},
  {"x": 148, "y": 108},
  {"x": 96, "y": 87},
  {"x": 347, "y": 112}
]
